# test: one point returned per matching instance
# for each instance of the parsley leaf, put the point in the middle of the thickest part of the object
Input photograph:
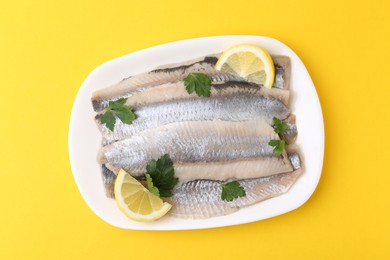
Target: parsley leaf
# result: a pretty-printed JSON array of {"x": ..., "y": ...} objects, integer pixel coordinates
[
  {"x": 108, "y": 118},
  {"x": 118, "y": 103},
  {"x": 232, "y": 190},
  {"x": 198, "y": 82},
  {"x": 278, "y": 146},
  {"x": 153, "y": 189},
  {"x": 279, "y": 126},
  {"x": 162, "y": 173},
  {"x": 117, "y": 109}
]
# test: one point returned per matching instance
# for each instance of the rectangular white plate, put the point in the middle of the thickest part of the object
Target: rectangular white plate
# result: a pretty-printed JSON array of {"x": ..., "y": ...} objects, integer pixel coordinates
[{"x": 85, "y": 138}]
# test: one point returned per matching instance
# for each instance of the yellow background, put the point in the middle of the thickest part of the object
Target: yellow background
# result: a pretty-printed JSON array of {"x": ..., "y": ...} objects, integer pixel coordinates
[{"x": 47, "y": 48}]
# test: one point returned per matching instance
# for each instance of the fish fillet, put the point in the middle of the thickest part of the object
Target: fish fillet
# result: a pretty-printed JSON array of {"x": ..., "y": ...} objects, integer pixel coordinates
[
  {"x": 177, "y": 91},
  {"x": 282, "y": 72},
  {"x": 290, "y": 134},
  {"x": 292, "y": 131},
  {"x": 200, "y": 199},
  {"x": 175, "y": 73},
  {"x": 108, "y": 178},
  {"x": 201, "y": 149},
  {"x": 234, "y": 108}
]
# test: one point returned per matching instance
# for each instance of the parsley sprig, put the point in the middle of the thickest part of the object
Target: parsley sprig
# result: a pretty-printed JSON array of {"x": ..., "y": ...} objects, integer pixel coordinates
[
  {"x": 278, "y": 146},
  {"x": 280, "y": 128},
  {"x": 150, "y": 185},
  {"x": 232, "y": 190},
  {"x": 198, "y": 82},
  {"x": 117, "y": 109},
  {"x": 160, "y": 176}
]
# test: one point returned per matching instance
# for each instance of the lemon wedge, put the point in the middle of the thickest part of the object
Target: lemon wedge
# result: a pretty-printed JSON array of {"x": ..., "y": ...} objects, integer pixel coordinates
[
  {"x": 250, "y": 62},
  {"x": 136, "y": 201}
]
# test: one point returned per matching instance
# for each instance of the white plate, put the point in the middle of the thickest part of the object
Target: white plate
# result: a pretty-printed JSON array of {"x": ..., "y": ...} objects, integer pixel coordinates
[{"x": 84, "y": 137}]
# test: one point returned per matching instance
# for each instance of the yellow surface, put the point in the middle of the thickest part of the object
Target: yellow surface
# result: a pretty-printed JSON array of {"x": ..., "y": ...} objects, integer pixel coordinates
[{"x": 47, "y": 48}]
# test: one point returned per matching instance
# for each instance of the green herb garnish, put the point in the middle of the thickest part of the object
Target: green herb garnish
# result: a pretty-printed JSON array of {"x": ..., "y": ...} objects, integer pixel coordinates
[
  {"x": 280, "y": 128},
  {"x": 161, "y": 178},
  {"x": 232, "y": 190},
  {"x": 153, "y": 189},
  {"x": 117, "y": 109},
  {"x": 198, "y": 82},
  {"x": 278, "y": 146}
]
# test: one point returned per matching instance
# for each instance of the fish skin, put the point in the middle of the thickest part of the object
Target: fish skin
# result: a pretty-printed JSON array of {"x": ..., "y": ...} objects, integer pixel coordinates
[
  {"x": 108, "y": 178},
  {"x": 222, "y": 146},
  {"x": 200, "y": 199},
  {"x": 141, "y": 82},
  {"x": 292, "y": 131},
  {"x": 177, "y": 72},
  {"x": 282, "y": 72},
  {"x": 221, "y": 170},
  {"x": 290, "y": 134},
  {"x": 234, "y": 108},
  {"x": 177, "y": 91}
]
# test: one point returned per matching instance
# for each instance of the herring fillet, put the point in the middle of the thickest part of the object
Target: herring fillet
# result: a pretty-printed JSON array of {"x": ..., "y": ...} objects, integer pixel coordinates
[
  {"x": 234, "y": 108},
  {"x": 290, "y": 134},
  {"x": 221, "y": 147},
  {"x": 108, "y": 178},
  {"x": 292, "y": 131},
  {"x": 177, "y": 91},
  {"x": 177, "y": 72},
  {"x": 282, "y": 72},
  {"x": 200, "y": 199},
  {"x": 141, "y": 82},
  {"x": 258, "y": 166}
]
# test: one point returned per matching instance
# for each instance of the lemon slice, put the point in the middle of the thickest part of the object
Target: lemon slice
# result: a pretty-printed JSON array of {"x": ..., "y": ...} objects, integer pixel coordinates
[
  {"x": 136, "y": 201},
  {"x": 250, "y": 62}
]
